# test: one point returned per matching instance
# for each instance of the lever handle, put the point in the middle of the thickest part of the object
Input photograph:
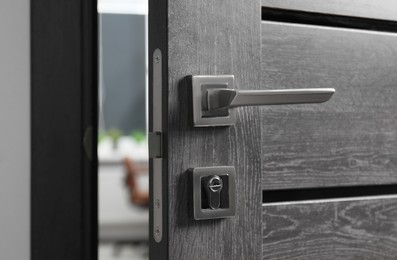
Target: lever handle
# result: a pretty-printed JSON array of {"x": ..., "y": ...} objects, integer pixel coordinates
[
  {"x": 214, "y": 98},
  {"x": 231, "y": 98}
]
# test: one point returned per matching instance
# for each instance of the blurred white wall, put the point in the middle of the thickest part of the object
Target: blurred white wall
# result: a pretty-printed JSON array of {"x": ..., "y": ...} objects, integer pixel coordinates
[
  {"x": 123, "y": 6},
  {"x": 14, "y": 130}
]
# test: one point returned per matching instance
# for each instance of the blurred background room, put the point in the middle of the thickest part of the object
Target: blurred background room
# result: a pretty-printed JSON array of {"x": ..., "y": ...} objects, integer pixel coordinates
[{"x": 122, "y": 143}]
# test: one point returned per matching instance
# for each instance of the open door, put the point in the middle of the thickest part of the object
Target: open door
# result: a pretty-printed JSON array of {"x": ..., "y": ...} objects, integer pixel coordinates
[{"x": 234, "y": 178}]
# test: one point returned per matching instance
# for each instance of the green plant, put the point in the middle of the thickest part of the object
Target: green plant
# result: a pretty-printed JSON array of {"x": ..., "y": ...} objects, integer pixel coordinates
[
  {"x": 101, "y": 136},
  {"x": 138, "y": 136},
  {"x": 114, "y": 134}
]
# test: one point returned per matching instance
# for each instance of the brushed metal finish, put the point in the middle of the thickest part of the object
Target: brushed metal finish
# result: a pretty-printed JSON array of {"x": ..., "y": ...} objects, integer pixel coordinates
[
  {"x": 157, "y": 199},
  {"x": 232, "y": 98},
  {"x": 195, "y": 178},
  {"x": 214, "y": 99},
  {"x": 200, "y": 84}
]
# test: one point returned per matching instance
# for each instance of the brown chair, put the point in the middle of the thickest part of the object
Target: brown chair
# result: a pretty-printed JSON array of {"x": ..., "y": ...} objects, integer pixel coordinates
[{"x": 138, "y": 195}]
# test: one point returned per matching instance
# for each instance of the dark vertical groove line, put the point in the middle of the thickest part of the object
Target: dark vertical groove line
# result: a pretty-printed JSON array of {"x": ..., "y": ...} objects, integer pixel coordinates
[
  {"x": 89, "y": 108},
  {"x": 271, "y": 196},
  {"x": 339, "y": 21}
]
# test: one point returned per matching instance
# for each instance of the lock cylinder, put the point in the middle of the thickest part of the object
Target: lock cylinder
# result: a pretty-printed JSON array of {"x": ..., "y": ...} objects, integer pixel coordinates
[
  {"x": 213, "y": 187},
  {"x": 212, "y": 192}
]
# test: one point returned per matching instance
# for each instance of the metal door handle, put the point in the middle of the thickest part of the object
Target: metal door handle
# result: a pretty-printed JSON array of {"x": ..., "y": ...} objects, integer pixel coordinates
[
  {"x": 231, "y": 98},
  {"x": 214, "y": 99}
]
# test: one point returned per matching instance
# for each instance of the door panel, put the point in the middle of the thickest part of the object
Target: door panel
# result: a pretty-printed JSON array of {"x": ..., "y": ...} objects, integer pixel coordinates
[
  {"x": 355, "y": 229},
  {"x": 380, "y": 9},
  {"x": 347, "y": 141}
]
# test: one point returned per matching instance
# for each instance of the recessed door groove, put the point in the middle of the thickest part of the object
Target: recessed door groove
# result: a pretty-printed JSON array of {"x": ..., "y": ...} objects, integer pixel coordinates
[
  {"x": 330, "y": 20},
  {"x": 291, "y": 195}
]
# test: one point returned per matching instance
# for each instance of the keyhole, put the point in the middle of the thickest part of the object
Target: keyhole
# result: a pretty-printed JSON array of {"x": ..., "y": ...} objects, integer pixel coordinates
[
  {"x": 215, "y": 184},
  {"x": 213, "y": 189}
]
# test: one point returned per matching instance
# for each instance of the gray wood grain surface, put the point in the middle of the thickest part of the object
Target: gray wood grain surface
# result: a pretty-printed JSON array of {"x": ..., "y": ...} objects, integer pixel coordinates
[
  {"x": 362, "y": 229},
  {"x": 379, "y": 9},
  {"x": 213, "y": 37},
  {"x": 351, "y": 139}
]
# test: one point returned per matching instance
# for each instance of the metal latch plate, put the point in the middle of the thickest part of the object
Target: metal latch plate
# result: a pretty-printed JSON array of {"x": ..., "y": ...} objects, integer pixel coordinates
[{"x": 155, "y": 145}]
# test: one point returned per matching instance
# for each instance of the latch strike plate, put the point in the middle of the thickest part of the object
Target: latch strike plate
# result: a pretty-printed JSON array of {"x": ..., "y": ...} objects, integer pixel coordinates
[{"x": 155, "y": 145}]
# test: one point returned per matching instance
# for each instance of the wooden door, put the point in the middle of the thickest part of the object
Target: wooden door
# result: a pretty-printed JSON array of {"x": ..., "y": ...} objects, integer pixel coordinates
[{"x": 312, "y": 180}]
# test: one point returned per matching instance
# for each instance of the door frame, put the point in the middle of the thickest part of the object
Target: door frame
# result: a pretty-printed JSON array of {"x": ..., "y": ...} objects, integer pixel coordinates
[{"x": 64, "y": 105}]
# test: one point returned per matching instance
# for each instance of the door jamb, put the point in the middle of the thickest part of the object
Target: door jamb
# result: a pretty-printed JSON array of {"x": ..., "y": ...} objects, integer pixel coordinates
[{"x": 64, "y": 130}]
